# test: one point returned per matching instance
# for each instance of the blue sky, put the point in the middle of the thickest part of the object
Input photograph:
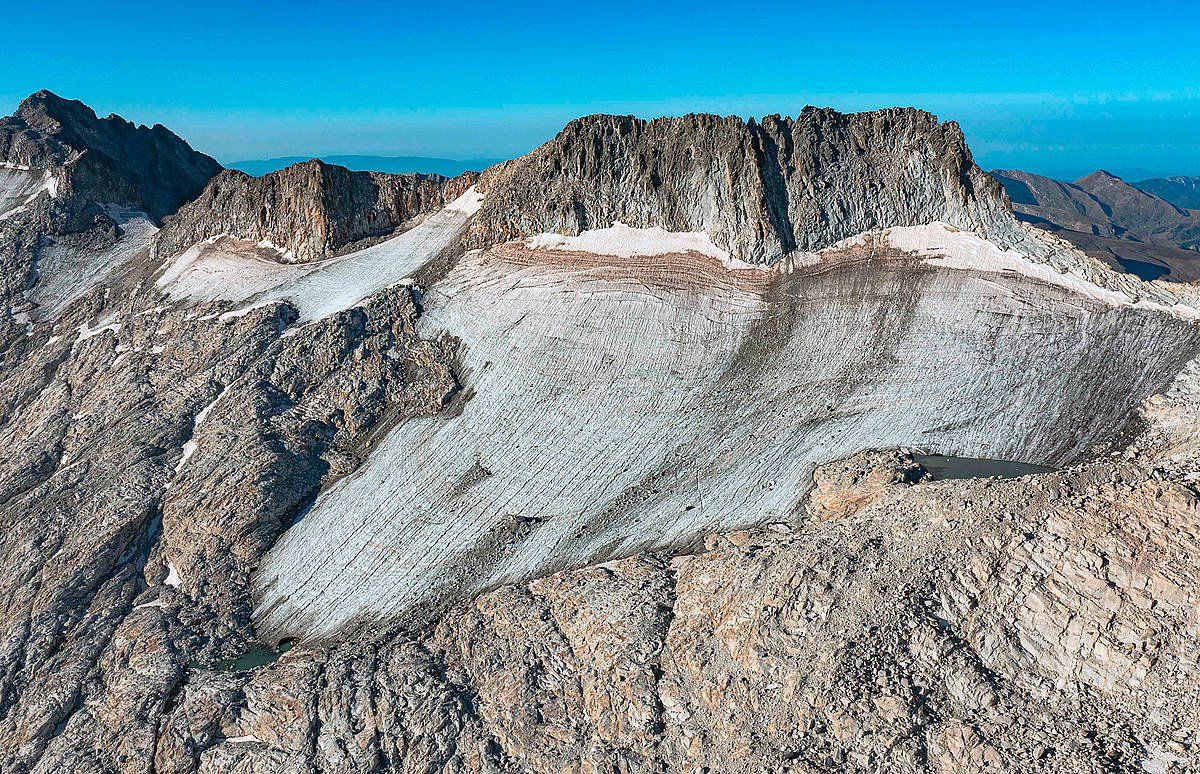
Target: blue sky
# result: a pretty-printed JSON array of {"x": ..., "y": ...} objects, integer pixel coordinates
[{"x": 1056, "y": 87}]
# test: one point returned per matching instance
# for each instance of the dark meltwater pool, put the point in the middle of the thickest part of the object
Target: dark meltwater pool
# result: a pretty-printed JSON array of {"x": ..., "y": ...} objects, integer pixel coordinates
[
  {"x": 254, "y": 658},
  {"x": 942, "y": 468}
]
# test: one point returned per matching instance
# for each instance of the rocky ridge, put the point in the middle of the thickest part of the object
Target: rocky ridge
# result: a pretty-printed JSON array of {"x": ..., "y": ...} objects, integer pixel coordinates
[
  {"x": 103, "y": 160},
  {"x": 1181, "y": 190},
  {"x": 91, "y": 188},
  {"x": 1128, "y": 228},
  {"x": 307, "y": 211},
  {"x": 760, "y": 189}
]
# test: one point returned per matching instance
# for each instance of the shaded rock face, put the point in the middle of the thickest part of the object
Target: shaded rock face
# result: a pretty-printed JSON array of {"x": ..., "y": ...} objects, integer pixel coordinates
[
  {"x": 307, "y": 211},
  {"x": 93, "y": 188},
  {"x": 104, "y": 159},
  {"x": 760, "y": 189}
]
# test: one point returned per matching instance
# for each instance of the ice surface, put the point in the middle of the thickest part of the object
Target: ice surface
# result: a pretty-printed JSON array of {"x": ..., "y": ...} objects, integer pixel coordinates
[
  {"x": 226, "y": 269},
  {"x": 616, "y": 404},
  {"x": 20, "y": 185},
  {"x": 949, "y": 247},
  {"x": 627, "y": 242},
  {"x": 66, "y": 271}
]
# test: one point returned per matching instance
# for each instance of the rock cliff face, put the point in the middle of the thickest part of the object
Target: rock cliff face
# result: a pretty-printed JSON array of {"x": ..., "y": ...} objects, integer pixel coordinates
[
  {"x": 307, "y": 211},
  {"x": 104, "y": 160},
  {"x": 655, "y": 493},
  {"x": 759, "y": 189}
]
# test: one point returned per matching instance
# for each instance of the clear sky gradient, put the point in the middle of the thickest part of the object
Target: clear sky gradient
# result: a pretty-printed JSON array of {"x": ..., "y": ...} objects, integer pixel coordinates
[{"x": 1055, "y": 87}]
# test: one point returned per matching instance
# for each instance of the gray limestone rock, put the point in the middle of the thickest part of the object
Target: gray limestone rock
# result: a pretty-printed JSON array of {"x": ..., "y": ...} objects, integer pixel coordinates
[
  {"x": 307, "y": 211},
  {"x": 761, "y": 189}
]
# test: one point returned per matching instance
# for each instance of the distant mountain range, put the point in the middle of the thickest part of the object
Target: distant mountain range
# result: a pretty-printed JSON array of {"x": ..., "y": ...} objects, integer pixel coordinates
[
  {"x": 392, "y": 164},
  {"x": 1180, "y": 190},
  {"x": 1128, "y": 226}
]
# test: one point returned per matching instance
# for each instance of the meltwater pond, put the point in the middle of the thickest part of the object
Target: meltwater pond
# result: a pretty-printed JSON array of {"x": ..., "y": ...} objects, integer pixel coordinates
[
  {"x": 254, "y": 658},
  {"x": 941, "y": 468}
]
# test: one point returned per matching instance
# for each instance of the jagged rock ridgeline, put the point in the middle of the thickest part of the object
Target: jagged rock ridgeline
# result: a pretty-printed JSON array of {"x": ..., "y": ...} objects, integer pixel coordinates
[
  {"x": 307, "y": 211},
  {"x": 761, "y": 189},
  {"x": 104, "y": 160},
  {"x": 79, "y": 197}
]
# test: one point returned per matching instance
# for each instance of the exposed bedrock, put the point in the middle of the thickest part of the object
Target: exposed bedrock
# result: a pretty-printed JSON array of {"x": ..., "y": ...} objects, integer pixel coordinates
[
  {"x": 614, "y": 405},
  {"x": 1034, "y": 625},
  {"x": 79, "y": 196},
  {"x": 760, "y": 189},
  {"x": 103, "y": 160},
  {"x": 307, "y": 211},
  {"x": 150, "y": 457}
]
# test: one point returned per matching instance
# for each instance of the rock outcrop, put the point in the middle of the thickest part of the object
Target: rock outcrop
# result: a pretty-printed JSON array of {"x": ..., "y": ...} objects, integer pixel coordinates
[
  {"x": 1034, "y": 625},
  {"x": 760, "y": 189},
  {"x": 104, "y": 160},
  {"x": 79, "y": 196},
  {"x": 307, "y": 211}
]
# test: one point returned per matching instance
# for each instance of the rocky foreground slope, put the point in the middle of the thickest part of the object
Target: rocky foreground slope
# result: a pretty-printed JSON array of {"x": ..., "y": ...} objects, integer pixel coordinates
[{"x": 602, "y": 497}]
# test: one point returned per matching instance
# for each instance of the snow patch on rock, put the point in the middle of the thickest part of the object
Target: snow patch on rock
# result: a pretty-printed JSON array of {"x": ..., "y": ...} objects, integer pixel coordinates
[
  {"x": 625, "y": 241},
  {"x": 20, "y": 185},
  {"x": 67, "y": 271},
  {"x": 224, "y": 269},
  {"x": 945, "y": 246},
  {"x": 87, "y": 332}
]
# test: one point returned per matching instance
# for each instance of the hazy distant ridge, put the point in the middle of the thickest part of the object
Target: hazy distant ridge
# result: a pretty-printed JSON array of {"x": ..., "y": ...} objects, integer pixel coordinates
[
  {"x": 392, "y": 164},
  {"x": 1180, "y": 190}
]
